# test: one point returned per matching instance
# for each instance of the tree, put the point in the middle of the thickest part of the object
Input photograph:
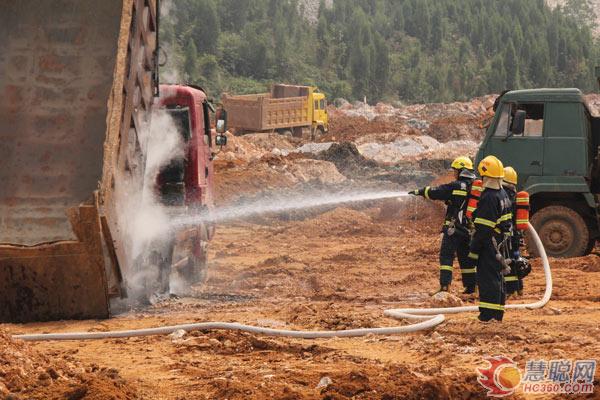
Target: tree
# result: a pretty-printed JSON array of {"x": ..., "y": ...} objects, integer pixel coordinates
[
  {"x": 202, "y": 21},
  {"x": 512, "y": 66},
  {"x": 412, "y": 50},
  {"x": 190, "y": 65},
  {"x": 497, "y": 78},
  {"x": 437, "y": 33}
]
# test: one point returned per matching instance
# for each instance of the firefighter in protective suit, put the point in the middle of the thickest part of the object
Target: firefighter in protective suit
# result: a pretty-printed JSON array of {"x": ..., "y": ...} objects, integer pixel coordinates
[
  {"x": 513, "y": 283},
  {"x": 455, "y": 232},
  {"x": 493, "y": 221}
]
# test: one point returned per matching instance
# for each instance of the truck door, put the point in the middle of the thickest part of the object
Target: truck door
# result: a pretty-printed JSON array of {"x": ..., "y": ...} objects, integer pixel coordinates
[{"x": 524, "y": 152}]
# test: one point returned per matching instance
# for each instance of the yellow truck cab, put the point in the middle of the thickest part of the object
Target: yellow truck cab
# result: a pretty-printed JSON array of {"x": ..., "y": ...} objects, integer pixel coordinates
[{"x": 318, "y": 110}]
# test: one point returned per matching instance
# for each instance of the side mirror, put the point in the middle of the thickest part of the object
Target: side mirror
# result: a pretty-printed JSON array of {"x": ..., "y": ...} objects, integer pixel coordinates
[
  {"x": 221, "y": 140},
  {"x": 518, "y": 124},
  {"x": 221, "y": 125}
]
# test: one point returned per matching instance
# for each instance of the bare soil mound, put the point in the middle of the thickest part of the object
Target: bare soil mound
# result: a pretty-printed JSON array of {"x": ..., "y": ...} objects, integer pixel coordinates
[
  {"x": 26, "y": 373},
  {"x": 347, "y": 159}
]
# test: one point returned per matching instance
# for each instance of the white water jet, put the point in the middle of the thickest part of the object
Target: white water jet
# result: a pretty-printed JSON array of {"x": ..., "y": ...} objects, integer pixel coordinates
[{"x": 281, "y": 204}]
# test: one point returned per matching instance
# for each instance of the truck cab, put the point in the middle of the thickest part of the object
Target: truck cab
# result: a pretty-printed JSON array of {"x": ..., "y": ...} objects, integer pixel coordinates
[
  {"x": 551, "y": 139},
  {"x": 318, "y": 106},
  {"x": 188, "y": 181},
  {"x": 185, "y": 183}
]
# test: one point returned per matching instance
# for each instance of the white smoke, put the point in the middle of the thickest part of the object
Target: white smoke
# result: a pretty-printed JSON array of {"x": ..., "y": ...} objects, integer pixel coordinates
[{"x": 142, "y": 218}]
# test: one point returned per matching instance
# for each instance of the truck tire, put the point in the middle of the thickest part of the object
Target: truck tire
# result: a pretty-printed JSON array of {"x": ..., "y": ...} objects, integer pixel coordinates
[
  {"x": 563, "y": 232},
  {"x": 319, "y": 133},
  {"x": 285, "y": 132}
]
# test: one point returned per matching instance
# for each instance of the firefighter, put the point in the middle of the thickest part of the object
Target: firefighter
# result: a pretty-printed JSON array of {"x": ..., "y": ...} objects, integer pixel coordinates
[
  {"x": 513, "y": 283},
  {"x": 455, "y": 235},
  {"x": 492, "y": 221}
]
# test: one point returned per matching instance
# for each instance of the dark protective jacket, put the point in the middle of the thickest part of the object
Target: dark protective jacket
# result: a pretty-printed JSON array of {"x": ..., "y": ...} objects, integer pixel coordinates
[
  {"x": 454, "y": 194},
  {"x": 492, "y": 218},
  {"x": 516, "y": 235}
]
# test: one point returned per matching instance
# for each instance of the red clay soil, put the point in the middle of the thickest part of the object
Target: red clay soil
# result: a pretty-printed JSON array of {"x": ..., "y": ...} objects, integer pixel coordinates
[
  {"x": 27, "y": 373},
  {"x": 337, "y": 270},
  {"x": 343, "y": 128}
]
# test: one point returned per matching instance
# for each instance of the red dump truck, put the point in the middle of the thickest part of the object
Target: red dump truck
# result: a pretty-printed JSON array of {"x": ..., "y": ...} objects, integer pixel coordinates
[
  {"x": 287, "y": 109},
  {"x": 186, "y": 184},
  {"x": 77, "y": 87}
]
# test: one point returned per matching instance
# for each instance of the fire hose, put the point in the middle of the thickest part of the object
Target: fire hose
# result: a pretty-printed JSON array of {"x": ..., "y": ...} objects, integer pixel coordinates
[{"x": 428, "y": 317}]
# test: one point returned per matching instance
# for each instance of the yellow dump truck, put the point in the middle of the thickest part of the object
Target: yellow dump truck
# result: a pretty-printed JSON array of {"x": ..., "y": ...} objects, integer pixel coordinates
[{"x": 287, "y": 109}]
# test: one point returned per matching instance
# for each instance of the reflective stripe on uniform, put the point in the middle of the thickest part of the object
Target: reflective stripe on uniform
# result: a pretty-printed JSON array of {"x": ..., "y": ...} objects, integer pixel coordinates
[
  {"x": 426, "y": 194},
  {"x": 491, "y": 306},
  {"x": 520, "y": 200},
  {"x": 522, "y": 221},
  {"x": 486, "y": 222},
  {"x": 505, "y": 217},
  {"x": 459, "y": 192},
  {"x": 471, "y": 209},
  {"x": 468, "y": 270},
  {"x": 511, "y": 278},
  {"x": 474, "y": 256},
  {"x": 477, "y": 187},
  {"x": 446, "y": 267}
]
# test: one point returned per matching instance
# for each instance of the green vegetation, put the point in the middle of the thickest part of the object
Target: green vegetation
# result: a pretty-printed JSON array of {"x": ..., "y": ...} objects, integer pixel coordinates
[{"x": 410, "y": 50}]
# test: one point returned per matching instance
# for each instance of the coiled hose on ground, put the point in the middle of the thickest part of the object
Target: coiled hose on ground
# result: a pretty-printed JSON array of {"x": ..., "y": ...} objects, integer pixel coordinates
[{"x": 429, "y": 318}]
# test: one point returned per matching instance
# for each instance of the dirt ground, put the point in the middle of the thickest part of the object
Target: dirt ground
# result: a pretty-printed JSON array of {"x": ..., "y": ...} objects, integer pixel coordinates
[{"x": 338, "y": 270}]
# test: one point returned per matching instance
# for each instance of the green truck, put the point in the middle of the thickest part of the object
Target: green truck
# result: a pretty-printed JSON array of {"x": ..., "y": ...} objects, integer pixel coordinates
[{"x": 553, "y": 141}]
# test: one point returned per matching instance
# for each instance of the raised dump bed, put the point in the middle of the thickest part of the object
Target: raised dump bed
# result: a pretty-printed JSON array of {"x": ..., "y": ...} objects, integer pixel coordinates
[{"x": 76, "y": 80}]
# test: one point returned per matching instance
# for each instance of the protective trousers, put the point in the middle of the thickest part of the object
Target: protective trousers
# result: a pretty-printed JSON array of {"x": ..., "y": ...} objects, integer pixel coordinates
[
  {"x": 513, "y": 283},
  {"x": 457, "y": 245},
  {"x": 492, "y": 295}
]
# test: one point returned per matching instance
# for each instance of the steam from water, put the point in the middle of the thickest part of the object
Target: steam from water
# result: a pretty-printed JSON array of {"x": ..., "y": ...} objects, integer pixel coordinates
[{"x": 142, "y": 218}]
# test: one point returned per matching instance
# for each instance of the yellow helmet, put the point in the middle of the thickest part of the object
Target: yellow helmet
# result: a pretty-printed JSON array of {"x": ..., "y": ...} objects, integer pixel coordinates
[
  {"x": 462, "y": 162},
  {"x": 491, "y": 167},
  {"x": 510, "y": 175}
]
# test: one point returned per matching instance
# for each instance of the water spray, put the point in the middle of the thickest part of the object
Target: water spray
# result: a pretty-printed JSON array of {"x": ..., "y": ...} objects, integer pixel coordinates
[
  {"x": 430, "y": 318},
  {"x": 280, "y": 204}
]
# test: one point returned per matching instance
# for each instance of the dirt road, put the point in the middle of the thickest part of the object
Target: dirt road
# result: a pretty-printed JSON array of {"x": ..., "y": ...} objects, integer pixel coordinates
[{"x": 338, "y": 270}]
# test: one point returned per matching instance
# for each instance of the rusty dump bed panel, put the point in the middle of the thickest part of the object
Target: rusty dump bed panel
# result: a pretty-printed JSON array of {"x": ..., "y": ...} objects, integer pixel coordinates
[
  {"x": 67, "y": 83},
  {"x": 260, "y": 112}
]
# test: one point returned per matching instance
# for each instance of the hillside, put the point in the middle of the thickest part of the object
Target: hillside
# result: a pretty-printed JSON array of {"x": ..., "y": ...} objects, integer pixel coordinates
[
  {"x": 588, "y": 11},
  {"x": 412, "y": 51}
]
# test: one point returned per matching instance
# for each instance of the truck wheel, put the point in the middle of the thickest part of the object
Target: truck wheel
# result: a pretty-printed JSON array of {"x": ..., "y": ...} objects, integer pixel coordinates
[
  {"x": 196, "y": 270},
  {"x": 591, "y": 246},
  {"x": 563, "y": 231},
  {"x": 319, "y": 133},
  {"x": 285, "y": 132}
]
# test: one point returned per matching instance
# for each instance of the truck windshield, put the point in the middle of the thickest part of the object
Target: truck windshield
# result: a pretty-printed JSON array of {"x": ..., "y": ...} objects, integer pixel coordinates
[
  {"x": 181, "y": 118},
  {"x": 171, "y": 177}
]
